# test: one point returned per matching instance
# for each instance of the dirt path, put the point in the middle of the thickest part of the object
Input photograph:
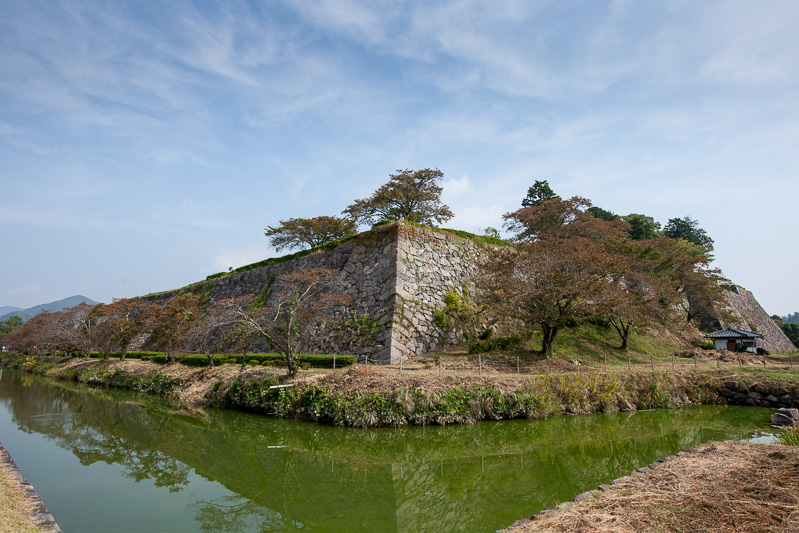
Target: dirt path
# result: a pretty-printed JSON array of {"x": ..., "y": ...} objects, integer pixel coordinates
[{"x": 719, "y": 486}]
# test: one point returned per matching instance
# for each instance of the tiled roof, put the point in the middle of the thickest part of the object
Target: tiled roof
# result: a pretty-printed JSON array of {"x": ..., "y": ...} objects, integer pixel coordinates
[{"x": 733, "y": 333}]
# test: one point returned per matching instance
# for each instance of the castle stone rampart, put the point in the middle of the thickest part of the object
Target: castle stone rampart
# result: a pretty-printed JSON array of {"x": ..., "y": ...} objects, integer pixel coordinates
[{"x": 399, "y": 275}]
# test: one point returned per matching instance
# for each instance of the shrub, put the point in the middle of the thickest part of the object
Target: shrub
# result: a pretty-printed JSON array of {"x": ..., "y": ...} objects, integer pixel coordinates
[
  {"x": 160, "y": 358},
  {"x": 498, "y": 343},
  {"x": 704, "y": 344},
  {"x": 202, "y": 360},
  {"x": 789, "y": 437}
]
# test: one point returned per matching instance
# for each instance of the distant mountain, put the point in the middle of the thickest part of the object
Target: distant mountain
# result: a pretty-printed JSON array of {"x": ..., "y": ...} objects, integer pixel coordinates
[
  {"x": 25, "y": 314},
  {"x": 8, "y": 309}
]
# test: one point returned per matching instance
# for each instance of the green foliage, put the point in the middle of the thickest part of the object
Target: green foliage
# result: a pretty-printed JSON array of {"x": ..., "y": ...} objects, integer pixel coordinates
[
  {"x": 361, "y": 325},
  {"x": 602, "y": 214},
  {"x": 538, "y": 193},
  {"x": 542, "y": 397},
  {"x": 156, "y": 383},
  {"x": 642, "y": 227},
  {"x": 489, "y": 240},
  {"x": 791, "y": 330},
  {"x": 202, "y": 360},
  {"x": 491, "y": 231},
  {"x": 315, "y": 360},
  {"x": 687, "y": 229},
  {"x": 263, "y": 294},
  {"x": 411, "y": 195},
  {"x": 789, "y": 437},
  {"x": 311, "y": 232},
  {"x": 282, "y": 259},
  {"x": 459, "y": 312},
  {"x": 499, "y": 343},
  {"x": 704, "y": 344},
  {"x": 9, "y": 325}
]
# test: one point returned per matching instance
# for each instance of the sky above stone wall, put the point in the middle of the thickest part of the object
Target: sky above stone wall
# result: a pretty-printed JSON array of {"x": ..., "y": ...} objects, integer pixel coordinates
[{"x": 146, "y": 145}]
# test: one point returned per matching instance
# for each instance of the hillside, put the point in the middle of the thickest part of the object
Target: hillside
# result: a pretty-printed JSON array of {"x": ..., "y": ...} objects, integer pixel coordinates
[
  {"x": 5, "y": 309},
  {"x": 58, "y": 305}
]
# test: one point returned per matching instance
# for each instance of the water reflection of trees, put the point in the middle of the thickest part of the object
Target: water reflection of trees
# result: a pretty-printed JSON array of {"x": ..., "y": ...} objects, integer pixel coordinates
[{"x": 476, "y": 477}]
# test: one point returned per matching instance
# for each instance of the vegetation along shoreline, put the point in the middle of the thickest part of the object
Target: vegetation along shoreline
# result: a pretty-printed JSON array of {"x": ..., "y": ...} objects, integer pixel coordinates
[{"x": 369, "y": 397}]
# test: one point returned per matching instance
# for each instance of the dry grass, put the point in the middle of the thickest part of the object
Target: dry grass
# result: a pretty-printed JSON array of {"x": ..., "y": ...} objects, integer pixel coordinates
[
  {"x": 16, "y": 509},
  {"x": 728, "y": 486}
]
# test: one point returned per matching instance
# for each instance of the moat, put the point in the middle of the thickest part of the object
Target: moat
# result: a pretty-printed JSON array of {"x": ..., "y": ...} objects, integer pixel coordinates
[{"x": 110, "y": 460}]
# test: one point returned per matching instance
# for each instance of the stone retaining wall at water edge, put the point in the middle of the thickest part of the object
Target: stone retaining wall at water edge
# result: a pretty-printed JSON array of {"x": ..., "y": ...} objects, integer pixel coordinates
[{"x": 757, "y": 395}]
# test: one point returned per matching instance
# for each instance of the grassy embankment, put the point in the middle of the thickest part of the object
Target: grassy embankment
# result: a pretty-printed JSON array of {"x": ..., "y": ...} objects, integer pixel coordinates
[{"x": 464, "y": 389}]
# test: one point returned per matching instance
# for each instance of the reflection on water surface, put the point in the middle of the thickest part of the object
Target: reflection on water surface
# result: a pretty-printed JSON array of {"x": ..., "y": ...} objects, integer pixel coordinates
[{"x": 110, "y": 460}]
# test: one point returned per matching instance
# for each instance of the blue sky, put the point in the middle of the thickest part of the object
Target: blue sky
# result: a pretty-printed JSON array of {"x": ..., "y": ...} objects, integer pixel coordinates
[{"x": 145, "y": 145}]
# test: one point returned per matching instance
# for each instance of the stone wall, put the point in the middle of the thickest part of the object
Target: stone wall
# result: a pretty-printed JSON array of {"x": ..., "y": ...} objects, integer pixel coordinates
[
  {"x": 746, "y": 313},
  {"x": 366, "y": 272},
  {"x": 764, "y": 394},
  {"x": 429, "y": 264},
  {"x": 399, "y": 275}
]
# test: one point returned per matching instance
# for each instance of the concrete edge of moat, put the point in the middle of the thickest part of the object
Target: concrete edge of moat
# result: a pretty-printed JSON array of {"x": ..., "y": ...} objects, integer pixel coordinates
[{"x": 40, "y": 516}]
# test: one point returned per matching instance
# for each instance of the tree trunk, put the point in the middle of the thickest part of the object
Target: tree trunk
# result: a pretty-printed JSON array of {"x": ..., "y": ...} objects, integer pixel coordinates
[
  {"x": 548, "y": 340},
  {"x": 123, "y": 353},
  {"x": 210, "y": 360},
  {"x": 170, "y": 357},
  {"x": 622, "y": 329}
]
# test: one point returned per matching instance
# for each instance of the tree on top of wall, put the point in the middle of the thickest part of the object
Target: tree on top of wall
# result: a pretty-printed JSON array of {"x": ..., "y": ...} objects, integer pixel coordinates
[
  {"x": 309, "y": 232},
  {"x": 411, "y": 195}
]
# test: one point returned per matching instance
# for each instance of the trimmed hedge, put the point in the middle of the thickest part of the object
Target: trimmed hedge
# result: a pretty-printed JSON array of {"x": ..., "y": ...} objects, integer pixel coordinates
[
  {"x": 315, "y": 360},
  {"x": 202, "y": 360},
  {"x": 190, "y": 359}
]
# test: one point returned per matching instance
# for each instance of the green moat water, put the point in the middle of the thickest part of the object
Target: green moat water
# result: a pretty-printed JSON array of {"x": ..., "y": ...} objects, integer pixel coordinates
[{"x": 113, "y": 461}]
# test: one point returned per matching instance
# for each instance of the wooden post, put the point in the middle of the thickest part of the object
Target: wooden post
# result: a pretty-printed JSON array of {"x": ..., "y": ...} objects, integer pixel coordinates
[
  {"x": 740, "y": 364},
  {"x": 334, "y": 361},
  {"x": 764, "y": 359},
  {"x": 480, "y": 362},
  {"x": 439, "y": 365},
  {"x": 578, "y": 363},
  {"x": 517, "y": 364},
  {"x": 790, "y": 358},
  {"x": 401, "y": 364}
]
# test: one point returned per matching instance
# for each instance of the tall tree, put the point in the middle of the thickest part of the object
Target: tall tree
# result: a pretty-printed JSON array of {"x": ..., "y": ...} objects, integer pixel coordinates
[
  {"x": 411, "y": 195},
  {"x": 603, "y": 214},
  {"x": 551, "y": 284},
  {"x": 294, "y": 311},
  {"x": 539, "y": 193},
  {"x": 9, "y": 325},
  {"x": 120, "y": 322},
  {"x": 687, "y": 268},
  {"x": 309, "y": 232},
  {"x": 558, "y": 218},
  {"x": 687, "y": 229},
  {"x": 563, "y": 270},
  {"x": 642, "y": 227},
  {"x": 641, "y": 297},
  {"x": 207, "y": 334},
  {"x": 171, "y": 321}
]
